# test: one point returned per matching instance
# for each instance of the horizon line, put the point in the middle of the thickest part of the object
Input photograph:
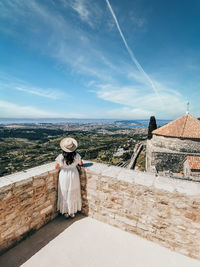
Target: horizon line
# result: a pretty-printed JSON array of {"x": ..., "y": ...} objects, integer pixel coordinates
[{"x": 72, "y": 118}]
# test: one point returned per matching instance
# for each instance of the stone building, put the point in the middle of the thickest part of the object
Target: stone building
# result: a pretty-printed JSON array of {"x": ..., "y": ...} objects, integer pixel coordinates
[
  {"x": 192, "y": 167},
  {"x": 172, "y": 143}
]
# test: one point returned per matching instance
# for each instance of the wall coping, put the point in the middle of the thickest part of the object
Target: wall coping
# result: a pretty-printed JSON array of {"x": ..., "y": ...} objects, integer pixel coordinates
[
  {"x": 191, "y": 188},
  {"x": 26, "y": 174}
]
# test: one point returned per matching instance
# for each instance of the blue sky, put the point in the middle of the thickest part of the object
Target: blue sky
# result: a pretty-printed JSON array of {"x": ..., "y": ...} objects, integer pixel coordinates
[{"x": 99, "y": 58}]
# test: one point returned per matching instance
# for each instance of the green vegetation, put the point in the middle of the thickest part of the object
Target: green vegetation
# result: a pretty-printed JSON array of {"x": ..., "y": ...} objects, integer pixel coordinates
[
  {"x": 141, "y": 162},
  {"x": 23, "y": 148}
]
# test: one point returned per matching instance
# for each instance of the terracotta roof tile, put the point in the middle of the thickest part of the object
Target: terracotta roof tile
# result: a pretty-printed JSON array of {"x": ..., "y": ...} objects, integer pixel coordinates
[
  {"x": 185, "y": 127},
  {"x": 194, "y": 162}
]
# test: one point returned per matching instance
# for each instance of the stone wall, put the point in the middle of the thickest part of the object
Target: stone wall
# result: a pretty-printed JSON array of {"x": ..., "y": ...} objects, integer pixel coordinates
[
  {"x": 164, "y": 161},
  {"x": 160, "y": 209},
  {"x": 27, "y": 201},
  {"x": 163, "y": 210},
  {"x": 169, "y": 154},
  {"x": 176, "y": 144}
]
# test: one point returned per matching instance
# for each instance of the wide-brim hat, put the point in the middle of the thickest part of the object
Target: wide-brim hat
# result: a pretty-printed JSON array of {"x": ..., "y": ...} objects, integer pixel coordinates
[{"x": 68, "y": 144}]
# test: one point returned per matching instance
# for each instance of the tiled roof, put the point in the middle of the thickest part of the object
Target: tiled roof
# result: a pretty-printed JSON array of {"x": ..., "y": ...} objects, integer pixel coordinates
[
  {"x": 185, "y": 126},
  {"x": 194, "y": 162}
]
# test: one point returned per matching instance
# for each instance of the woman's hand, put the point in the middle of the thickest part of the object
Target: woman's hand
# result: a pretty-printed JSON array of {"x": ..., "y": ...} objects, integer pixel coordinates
[
  {"x": 80, "y": 163},
  {"x": 57, "y": 166}
]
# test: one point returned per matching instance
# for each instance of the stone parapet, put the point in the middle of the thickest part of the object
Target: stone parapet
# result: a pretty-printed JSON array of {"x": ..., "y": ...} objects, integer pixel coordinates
[
  {"x": 161, "y": 209},
  {"x": 27, "y": 201}
]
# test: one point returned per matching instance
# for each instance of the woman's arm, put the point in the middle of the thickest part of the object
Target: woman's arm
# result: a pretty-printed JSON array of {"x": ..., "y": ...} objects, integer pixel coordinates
[{"x": 57, "y": 166}]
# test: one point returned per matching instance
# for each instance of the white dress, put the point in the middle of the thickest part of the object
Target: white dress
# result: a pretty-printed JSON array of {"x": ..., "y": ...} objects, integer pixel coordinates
[{"x": 69, "y": 193}]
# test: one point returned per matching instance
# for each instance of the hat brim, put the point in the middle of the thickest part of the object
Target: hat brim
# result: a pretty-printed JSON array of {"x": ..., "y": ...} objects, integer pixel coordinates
[{"x": 71, "y": 149}]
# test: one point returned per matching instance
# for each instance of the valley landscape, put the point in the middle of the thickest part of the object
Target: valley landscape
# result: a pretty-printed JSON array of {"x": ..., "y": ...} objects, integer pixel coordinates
[{"x": 26, "y": 145}]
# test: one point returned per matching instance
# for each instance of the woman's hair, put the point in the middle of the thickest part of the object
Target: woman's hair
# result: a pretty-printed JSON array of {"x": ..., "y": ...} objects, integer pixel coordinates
[{"x": 69, "y": 157}]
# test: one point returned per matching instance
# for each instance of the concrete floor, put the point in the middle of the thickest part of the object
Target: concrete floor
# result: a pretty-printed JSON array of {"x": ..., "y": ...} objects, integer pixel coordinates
[
  {"x": 19, "y": 254},
  {"x": 85, "y": 242}
]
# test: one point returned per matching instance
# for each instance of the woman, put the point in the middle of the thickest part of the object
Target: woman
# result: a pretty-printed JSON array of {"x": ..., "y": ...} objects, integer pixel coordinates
[{"x": 69, "y": 194}]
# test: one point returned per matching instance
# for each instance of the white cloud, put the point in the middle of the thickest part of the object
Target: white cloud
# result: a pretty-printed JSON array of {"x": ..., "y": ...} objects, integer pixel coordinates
[
  {"x": 87, "y": 10},
  {"x": 136, "y": 76},
  {"x": 12, "y": 110},
  {"x": 11, "y": 83},
  {"x": 131, "y": 54},
  {"x": 139, "y": 99},
  {"x": 139, "y": 22},
  {"x": 80, "y": 7},
  {"x": 9, "y": 109},
  {"x": 129, "y": 113},
  {"x": 49, "y": 93},
  {"x": 72, "y": 46}
]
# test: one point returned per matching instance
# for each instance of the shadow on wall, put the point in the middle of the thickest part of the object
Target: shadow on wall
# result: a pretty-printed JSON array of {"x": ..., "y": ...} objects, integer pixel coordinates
[{"x": 83, "y": 181}]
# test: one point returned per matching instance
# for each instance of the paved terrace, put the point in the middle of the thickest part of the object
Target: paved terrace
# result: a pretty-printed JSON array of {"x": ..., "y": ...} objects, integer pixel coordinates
[{"x": 86, "y": 242}]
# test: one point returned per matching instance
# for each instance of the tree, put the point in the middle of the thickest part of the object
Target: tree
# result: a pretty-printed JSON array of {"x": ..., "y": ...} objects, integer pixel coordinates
[{"x": 152, "y": 126}]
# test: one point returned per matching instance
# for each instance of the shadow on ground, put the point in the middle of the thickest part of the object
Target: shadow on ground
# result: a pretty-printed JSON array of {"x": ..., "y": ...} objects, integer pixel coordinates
[{"x": 23, "y": 251}]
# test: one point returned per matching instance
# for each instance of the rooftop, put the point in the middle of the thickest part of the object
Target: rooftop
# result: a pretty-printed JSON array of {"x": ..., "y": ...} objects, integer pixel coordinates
[
  {"x": 87, "y": 242},
  {"x": 194, "y": 162},
  {"x": 184, "y": 127}
]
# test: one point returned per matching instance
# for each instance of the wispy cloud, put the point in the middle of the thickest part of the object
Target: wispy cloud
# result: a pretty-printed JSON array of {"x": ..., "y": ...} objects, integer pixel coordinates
[
  {"x": 9, "y": 109},
  {"x": 8, "y": 82},
  {"x": 79, "y": 51},
  {"x": 139, "y": 22},
  {"x": 129, "y": 113},
  {"x": 134, "y": 100},
  {"x": 13, "y": 110},
  {"x": 132, "y": 56},
  {"x": 39, "y": 92},
  {"x": 80, "y": 7},
  {"x": 88, "y": 11}
]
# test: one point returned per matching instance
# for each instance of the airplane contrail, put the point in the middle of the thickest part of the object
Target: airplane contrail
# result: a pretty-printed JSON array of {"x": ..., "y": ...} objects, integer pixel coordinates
[{"x": 139, "y": 67}]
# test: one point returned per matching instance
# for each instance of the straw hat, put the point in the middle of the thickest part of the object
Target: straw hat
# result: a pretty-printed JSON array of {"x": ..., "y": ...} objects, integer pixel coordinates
[{"x": 68, "y": 144}]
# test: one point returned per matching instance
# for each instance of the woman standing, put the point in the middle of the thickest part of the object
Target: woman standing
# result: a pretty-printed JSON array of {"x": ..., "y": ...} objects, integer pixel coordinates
[{"x": 69, "y": 193}]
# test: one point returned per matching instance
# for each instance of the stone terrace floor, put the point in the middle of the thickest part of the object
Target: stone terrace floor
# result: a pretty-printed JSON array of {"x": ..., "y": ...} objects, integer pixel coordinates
[{"x": 85, "y": 242}]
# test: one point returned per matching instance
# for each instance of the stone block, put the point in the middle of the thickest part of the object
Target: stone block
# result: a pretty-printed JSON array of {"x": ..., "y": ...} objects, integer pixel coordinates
[
  {"x": 22, "y": 230},
  {"x": 38, "y": 181},
  {"x": 46, "y": 210},
  {"x": 39, "y": 190},
  {"x": 24, "y": 184},
  {"x": 36, "y": 224},
  {"x": 5, "y": 195},
  {"x": 8, "y": 231}
]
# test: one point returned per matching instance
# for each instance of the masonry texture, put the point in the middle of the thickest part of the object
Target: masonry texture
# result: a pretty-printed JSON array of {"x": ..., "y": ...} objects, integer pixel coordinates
[
  {"x": 160, "y": 209},
  {"x": 27, "y": 201},
  {"x": 169, "y": 153}
]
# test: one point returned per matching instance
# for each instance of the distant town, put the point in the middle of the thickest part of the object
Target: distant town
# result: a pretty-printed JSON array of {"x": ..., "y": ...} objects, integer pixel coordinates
[
  {"x": 25, "y": 145},
  {"x": 162, "y": 147}
]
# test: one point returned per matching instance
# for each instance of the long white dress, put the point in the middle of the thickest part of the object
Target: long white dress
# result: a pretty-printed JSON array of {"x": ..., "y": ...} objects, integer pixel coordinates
[{"x": 69, "y": 193}]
